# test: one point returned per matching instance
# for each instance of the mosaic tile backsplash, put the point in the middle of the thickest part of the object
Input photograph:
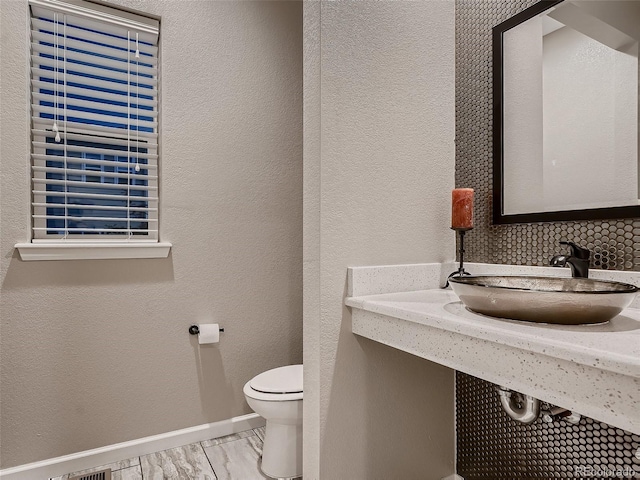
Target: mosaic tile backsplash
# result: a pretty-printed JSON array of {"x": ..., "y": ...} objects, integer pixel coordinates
[
  {"x": 492, "y": 446},
  {"x": 489, "y": 444},
  {"x": 615, "y": 243}
]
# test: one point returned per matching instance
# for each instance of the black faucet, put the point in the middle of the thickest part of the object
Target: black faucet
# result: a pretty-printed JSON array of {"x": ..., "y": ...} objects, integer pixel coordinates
[{"x": 578, "y": 260}]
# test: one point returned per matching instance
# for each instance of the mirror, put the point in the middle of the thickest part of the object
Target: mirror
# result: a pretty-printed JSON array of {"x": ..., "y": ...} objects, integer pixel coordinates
[{"x": 566, "y": 102}]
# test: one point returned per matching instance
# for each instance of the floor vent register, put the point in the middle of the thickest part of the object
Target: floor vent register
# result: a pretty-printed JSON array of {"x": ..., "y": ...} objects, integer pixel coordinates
[{"x": 101, "y": 475}]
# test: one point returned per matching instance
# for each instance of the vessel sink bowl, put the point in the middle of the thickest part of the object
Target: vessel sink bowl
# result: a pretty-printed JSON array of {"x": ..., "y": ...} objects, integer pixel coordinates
[{"x": 566, "y": 301}]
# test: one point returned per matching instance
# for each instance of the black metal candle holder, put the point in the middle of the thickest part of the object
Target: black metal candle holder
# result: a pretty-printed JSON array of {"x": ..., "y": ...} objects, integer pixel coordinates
[{"x": 461, "y": 271}]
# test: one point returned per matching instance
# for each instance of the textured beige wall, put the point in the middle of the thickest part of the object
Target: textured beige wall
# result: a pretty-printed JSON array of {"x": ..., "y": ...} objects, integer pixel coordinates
[
  {"x": 97, "y": 352},
  {"x": 379, "y": 143},
  {"x": 311, "y": 237}
]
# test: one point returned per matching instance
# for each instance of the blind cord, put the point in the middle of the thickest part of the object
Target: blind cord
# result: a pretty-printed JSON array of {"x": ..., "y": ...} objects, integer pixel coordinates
[
  {"x": 129, "y": 133},
  {"x": 56, "y": 46},
  {"x": 64, "y": 111},
  {"x": 137, "y": 102}
]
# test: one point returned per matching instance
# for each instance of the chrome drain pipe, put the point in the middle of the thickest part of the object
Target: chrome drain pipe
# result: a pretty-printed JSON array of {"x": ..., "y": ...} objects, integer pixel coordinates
[
  {"x": 520, "y": 407},
  {"x": 551, "y": 414}
]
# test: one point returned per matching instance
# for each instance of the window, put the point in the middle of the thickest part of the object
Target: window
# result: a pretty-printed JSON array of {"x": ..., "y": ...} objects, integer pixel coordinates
[{"x": 94, "y": 124}]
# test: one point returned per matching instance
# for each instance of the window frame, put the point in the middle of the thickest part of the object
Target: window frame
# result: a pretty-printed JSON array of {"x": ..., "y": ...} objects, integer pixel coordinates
[{"x": 88, "y": 245}]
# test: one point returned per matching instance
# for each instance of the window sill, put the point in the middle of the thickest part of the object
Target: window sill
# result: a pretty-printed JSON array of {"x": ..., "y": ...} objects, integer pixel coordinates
[{"x": 97, "y": 251}]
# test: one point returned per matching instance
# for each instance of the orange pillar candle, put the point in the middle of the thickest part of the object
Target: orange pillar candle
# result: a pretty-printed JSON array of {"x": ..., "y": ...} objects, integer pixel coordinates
[{"x": 462, "y": 209}]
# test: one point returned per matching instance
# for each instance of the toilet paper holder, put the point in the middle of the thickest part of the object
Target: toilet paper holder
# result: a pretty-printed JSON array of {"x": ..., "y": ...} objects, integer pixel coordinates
[{"x": 195, "y": 330}]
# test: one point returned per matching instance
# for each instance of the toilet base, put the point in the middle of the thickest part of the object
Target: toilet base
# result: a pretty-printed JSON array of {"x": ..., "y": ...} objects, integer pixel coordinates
[{"x": 282, "y": 450}]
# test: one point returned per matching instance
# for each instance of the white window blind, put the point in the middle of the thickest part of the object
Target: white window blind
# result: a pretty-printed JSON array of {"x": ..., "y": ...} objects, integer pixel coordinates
[{"x": 94, "y": 84}]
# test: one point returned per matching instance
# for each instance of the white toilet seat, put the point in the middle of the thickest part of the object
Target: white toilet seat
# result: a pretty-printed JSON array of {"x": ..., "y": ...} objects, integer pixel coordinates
[
  {"x": 282, "y": 384},
  {"x": 271, "y": 397},
  {"x": 287, "y": 379}
]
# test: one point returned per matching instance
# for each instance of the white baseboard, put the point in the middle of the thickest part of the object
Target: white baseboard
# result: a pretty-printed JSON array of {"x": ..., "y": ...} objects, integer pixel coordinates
[{"x": 54, "y": 467}]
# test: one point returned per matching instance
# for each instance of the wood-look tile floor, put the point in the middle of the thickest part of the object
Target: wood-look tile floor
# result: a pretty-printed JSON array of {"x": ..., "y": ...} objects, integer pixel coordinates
[{"x": 234, "y": 457}]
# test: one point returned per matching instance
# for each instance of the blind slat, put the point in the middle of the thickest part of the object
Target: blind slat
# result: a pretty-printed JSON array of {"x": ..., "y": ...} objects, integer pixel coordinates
[
  {"x": 93, "y": 104},
  {"x": 97, "y": 117},
  {"x": 110, "y": 97},
  {"x": 94, "y": 173},
  {"x": 94, "y": 207},
  {"x": 116, "y": 142},
  {"x": 100, "y": 196},
  {"x": 40, "y": 160},
  {"x": 95, "y": 230},
  {"x": 90, "y": 84},
  {"x": 90, "y": 150},
  {"x": 95, "y": 185},
  {"x": 137, "y": 65},
  {"x": 111, "y": 219},
  {"x": 97, "y": 132},
  {"x": 82, "y": 71}
]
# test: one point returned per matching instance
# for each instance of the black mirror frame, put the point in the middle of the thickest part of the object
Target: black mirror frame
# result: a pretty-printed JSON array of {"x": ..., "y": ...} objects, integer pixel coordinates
[{"x": 632, "y": 211}]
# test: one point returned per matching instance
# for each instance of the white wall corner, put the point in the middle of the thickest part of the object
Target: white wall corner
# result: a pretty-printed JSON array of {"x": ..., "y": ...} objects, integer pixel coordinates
[{"x": 446, "y": 269}]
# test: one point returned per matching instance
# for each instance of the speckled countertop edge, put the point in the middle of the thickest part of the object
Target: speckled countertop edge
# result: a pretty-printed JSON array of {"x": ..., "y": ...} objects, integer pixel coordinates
[{"x": 614, "y": 351}]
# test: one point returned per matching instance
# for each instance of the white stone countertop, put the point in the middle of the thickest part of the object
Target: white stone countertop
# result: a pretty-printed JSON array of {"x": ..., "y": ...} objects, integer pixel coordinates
[
  {"x": 613, "y": 346},
  {"x": 591, "y": 369}
]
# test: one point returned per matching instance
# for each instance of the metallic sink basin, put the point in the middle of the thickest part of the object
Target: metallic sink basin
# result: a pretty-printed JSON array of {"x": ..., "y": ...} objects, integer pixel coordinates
[{"x": 566, "y": 301}]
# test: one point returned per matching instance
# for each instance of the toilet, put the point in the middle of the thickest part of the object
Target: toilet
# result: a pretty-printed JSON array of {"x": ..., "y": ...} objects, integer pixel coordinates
[{"x": 276, "y": 395}]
